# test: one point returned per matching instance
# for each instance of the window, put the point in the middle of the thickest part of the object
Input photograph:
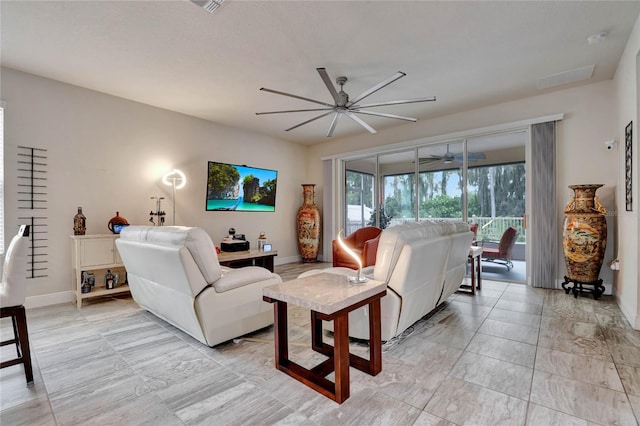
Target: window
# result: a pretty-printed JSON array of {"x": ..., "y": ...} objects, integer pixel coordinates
[{"x": 359, "y": 197}]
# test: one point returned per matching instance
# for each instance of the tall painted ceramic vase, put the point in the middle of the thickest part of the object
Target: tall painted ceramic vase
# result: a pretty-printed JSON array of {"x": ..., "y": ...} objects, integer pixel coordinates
[
  {"x": 308, "y": 225},
  {"x": 584, "y": 237}
]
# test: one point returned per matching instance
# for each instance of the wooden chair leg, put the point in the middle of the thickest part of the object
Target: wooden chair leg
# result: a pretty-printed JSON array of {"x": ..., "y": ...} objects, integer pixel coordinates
[
  {"x": 21, "y": 340},
  {"x": 14, "y": 323},
  {"x": 23, "y": 337}
]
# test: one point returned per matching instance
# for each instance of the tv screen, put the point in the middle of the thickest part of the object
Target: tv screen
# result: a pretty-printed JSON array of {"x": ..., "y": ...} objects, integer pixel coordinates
[{"x": 240, "y": 188}]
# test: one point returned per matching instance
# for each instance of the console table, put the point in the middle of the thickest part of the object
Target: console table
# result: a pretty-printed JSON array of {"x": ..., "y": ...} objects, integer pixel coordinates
[
  {"x": 330, "y": 297},
  {"x": 237, "y": 259},
  {"x": 96, "y": 253}
]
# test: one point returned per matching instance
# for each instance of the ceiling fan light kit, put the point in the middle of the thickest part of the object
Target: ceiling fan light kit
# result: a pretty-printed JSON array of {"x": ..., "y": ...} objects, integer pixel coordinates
[{"x": 343, "y": 106}]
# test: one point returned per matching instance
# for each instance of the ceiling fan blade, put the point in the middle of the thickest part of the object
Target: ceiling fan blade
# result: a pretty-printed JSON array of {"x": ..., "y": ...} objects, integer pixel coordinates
[
  {"x": 333, "y": 125},
  {"x": 308, "y": 121},
  {"x": 428, "y": 160},
  {"x": 329, "y": 84},
  {"x": 379, "y": 114},
  {"x": 360, "y": 122},
  {"x": 475, "y": 156},
  {"x": 471, "y": 157},
  {"x": 407, "y": 101},
  {"x": 296, "y": 96},
  {"x": 377, "y": 87},
  {"x": 293, "y": 110}
]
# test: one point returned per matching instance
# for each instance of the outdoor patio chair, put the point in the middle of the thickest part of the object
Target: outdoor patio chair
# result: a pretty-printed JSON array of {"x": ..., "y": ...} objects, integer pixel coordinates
[{"x": 504, "y": 252}]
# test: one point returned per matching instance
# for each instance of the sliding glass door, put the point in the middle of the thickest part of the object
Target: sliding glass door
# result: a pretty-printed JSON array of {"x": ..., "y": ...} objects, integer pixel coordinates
[{"x": 477, "y": 180}]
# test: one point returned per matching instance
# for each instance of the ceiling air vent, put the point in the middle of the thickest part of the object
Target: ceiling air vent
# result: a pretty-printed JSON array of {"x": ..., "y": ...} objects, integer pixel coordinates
[
  {"x": 565, "y": 77},
  {"x": 208, "y": 5}
]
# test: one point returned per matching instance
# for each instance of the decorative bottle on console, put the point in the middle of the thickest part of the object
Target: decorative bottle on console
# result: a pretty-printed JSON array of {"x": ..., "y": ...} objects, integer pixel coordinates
[
  {"x": 109, "y": 280},
  {"x": 79, "y": 223}
]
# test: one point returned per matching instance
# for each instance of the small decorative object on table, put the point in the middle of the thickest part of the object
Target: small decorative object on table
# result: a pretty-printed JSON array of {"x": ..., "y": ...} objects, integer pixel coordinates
[
  {"x": 584, "y": 240},
  {"x": 308, "y": 225},
  {"x": 262, "y": 240},
  {"x": 79, "y": 223},
  {"x": 159, "y": 213},
  {"x": 109, "y": 280},
  {"x": 86, "y": 283},
  {"x": 116, "y": 223}
]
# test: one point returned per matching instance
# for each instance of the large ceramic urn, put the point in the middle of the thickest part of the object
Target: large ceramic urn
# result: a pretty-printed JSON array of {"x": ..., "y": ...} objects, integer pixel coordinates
[
  {"x": 585, "y": 234},
  {"x": 308, "y": 225}
]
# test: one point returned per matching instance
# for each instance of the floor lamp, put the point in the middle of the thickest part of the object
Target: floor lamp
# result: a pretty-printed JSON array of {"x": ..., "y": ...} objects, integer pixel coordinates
[{"x": 177, "y": 180}]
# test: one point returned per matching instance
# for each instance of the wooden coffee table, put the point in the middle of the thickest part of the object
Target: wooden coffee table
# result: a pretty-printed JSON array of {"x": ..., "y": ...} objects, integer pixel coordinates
[
  {"x": 330, "y": 297},
  {"x": 237, "y": 259}
]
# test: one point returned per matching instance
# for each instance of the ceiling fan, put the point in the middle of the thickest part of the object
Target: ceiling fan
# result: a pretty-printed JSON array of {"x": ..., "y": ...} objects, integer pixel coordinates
[
  {"x": 449, "y": 157},
  {"x": 343, "y": 106}
]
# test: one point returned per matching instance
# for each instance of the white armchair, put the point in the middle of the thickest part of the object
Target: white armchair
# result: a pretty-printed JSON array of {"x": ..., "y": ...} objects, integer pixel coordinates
[
  {"x": 12, "y": 295},
  {"x": 174, "y": 273},
  {"x": 422, "y": 263}
]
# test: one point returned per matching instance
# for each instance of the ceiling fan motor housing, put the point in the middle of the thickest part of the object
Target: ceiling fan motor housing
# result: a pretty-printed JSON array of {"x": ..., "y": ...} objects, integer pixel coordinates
[{"x": 344, "y": 98}]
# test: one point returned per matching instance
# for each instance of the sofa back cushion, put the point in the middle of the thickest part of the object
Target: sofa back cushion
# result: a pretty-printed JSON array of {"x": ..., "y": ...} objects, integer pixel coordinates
[
  {"x": 195, "y": 240},
  {"x": 420, "y": 262},
  {"x": 392, "y": 242}
]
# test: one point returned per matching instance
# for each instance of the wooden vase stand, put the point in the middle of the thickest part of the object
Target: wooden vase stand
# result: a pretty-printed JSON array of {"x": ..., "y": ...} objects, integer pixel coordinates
[{"x": 578, "y": 288}]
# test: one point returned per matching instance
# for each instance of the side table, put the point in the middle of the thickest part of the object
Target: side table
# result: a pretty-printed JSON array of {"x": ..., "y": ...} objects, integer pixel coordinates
[
  {"x": 330, "y": 297},
  {"x": 475, "y": 258}
]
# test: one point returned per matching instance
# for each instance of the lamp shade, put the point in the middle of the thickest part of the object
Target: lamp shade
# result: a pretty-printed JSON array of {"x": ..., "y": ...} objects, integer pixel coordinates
[{"x": 175, "y": 178}]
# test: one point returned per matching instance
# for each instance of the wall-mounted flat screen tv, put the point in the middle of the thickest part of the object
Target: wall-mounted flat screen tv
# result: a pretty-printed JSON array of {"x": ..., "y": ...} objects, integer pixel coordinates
[{"x": 240, "y": 188}]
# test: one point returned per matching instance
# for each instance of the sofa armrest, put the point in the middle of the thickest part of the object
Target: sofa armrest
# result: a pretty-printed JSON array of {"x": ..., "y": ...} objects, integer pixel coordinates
[{"x": 235, "y": 278}]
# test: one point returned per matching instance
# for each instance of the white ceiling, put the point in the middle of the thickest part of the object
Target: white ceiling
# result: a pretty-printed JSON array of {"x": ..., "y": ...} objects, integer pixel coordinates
[{"x": 174, "y": 55}]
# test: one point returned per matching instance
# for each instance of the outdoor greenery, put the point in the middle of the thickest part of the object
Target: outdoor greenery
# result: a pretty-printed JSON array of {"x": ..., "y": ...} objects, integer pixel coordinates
[{"x": 493, "y": 191}]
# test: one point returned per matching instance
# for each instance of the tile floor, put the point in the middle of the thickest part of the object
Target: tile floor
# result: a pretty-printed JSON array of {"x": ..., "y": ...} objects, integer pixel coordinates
[{"x": 511, "y": 355}]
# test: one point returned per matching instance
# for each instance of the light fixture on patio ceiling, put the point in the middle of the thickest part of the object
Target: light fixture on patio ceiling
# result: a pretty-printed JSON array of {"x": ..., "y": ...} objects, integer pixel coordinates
[
  {"x": 344, "y": 107},
  {"x": 208, "y": 5}
]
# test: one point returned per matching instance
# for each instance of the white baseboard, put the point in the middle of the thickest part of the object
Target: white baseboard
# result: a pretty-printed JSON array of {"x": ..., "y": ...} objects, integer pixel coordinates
[
  {"x": 49, "y": 299},
  {"x": 629, "y": 314}
]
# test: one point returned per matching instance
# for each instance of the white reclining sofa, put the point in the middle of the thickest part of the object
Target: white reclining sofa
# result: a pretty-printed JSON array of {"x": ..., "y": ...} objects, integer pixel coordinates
[
  {"x": 422, "y": 263},
  {"x": 173, "y": 272}
]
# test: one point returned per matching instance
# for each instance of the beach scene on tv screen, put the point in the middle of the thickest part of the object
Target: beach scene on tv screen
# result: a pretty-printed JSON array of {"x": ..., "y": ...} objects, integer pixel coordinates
[{"x": 241, "y": 188}]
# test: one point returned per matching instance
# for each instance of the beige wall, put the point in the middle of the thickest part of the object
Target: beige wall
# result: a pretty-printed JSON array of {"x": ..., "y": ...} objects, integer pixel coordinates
[
  {"x": 582, "y": 156},
  {"x": 627, "y": 99},
  {"x": 108, "y": 154}
]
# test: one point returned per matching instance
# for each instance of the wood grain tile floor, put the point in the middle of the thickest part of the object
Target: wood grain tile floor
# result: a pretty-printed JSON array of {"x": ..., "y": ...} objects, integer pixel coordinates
[{"x": 511, "y": 355}]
